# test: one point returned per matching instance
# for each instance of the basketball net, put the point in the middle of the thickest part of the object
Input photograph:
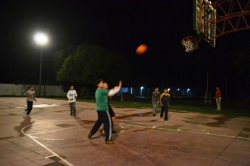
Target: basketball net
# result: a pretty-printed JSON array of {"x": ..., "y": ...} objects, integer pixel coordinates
[{"x": 188, "y": 43}]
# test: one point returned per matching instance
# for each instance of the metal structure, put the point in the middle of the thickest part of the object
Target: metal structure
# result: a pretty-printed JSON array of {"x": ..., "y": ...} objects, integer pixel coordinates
[
  {"x": 41, "y": 39},
  {"x": 213, "y": 19},
  {"x": 204, "y": 21},
  {"x": 232, "y": 16}
]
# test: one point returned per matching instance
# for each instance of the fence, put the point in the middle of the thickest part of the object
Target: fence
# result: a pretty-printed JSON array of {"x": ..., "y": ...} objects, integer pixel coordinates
[{"x": 19, "y": 89}]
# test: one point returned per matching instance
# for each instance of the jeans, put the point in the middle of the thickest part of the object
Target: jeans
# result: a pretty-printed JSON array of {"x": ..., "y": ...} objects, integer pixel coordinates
[
  {"x": 105, "y": 119},
  {"x": 72, "y": 107},
  {"x": 164, "y": 110},
  {"x": 218, "y": 103},
  {"x": 155, "y": 106},
  {"x": 29, "y": 107}
]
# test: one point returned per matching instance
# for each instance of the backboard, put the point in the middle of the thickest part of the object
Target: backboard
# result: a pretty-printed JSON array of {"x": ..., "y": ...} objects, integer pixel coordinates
[{"x": 204, "y": 21}]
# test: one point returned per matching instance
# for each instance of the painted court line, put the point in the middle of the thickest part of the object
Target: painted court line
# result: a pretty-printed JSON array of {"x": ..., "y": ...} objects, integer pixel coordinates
[
  {"x": 51, "y": 131},
  {"x": 197, "y": 132},
  {"x": 45, "y": 147},
  {"x": 34, "y": 134},
  {"x": 49, "y": 156},
  {"x": 185, "y": 131}
]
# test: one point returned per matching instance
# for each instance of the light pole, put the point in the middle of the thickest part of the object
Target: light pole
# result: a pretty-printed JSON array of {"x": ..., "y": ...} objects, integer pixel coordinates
[{"x": 41, "y": 39}]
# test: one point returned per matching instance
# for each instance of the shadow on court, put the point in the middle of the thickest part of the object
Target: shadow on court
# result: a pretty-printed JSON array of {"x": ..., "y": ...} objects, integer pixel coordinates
[{"x": 25, "y": 125}]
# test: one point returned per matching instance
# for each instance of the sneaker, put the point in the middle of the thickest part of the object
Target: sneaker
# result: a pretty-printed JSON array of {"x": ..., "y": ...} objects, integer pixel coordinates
[
  {"x": 89, "y": 136},
  {"x": 109, "y": 142}
]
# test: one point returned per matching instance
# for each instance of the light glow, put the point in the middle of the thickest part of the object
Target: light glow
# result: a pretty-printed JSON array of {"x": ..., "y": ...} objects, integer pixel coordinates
[{"x": 41, "y": 38}]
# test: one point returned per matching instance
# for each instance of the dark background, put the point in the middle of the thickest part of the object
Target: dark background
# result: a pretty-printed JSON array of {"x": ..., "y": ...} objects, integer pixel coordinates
[{"x": 120, "y": 26}]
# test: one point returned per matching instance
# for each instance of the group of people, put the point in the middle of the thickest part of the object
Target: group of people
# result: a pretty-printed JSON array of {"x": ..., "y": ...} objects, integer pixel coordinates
[
  {"x": 30, "y": 94},
  {"x": 163, "y": 100},
  {"x": 105, "y": 113}
]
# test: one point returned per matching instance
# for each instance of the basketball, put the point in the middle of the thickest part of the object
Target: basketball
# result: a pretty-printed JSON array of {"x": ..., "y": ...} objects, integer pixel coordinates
[{"x": 141, "y": 49}]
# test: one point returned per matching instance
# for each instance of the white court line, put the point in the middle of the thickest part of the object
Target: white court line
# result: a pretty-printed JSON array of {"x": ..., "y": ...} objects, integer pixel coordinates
[
  {"x": 197, "y": 132},
  {"x": 52, "y": 139},
  {"x": 45, "y": 147},
  {"x": 194, "y": 132},
  {"x": 42, "y": 132},
  {"x": 50, "y": 131}
]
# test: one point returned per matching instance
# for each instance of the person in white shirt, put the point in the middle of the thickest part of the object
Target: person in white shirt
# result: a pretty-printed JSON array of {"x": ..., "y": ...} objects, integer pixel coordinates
[
  {"x": 71, "y": 95},
  {"x": 30, "y": 93}
]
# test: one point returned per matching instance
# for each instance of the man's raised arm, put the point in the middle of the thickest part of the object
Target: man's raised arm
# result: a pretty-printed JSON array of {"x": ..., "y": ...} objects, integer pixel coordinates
[{"x": 115, "y": 90}]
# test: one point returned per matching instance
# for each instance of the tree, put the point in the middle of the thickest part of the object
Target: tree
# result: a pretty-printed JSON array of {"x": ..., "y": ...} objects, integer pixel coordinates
[
  {"x": 61, "y": 54},
  {"x": 88, "y": 63}
]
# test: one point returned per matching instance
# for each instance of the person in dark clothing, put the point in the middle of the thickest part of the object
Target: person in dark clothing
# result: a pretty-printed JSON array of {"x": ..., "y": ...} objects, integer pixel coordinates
[
  {"x": 111, "y": 112},
  {"x": 101, "y": 96},
  {"x": 155, "y": 100},
  {"x": 164, "y": 101},
  {"x": 30, "y": 93}
]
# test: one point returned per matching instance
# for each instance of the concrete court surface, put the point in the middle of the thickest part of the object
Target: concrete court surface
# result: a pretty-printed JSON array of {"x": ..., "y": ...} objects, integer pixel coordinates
[{"x": 51, "y": 137}]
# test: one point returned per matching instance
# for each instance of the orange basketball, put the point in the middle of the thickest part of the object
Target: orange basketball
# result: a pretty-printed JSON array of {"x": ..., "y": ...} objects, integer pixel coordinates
[{"x": 141, "y": 49}]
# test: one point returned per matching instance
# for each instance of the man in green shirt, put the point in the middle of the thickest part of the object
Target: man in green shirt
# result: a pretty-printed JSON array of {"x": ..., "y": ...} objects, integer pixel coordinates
[{"x": 101, "y": 96}]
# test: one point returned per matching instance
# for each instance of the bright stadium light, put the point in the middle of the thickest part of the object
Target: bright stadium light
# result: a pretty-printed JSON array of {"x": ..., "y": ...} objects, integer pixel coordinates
[{"x": 41, "y": 39}]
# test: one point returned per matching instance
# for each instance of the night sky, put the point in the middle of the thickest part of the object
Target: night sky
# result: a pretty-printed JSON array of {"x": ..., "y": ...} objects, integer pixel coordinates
[{"x": 119, "y": 26}]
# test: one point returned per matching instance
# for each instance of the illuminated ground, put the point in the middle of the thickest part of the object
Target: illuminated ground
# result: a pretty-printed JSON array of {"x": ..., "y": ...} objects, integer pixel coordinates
[{"x": 51, "y": 137}]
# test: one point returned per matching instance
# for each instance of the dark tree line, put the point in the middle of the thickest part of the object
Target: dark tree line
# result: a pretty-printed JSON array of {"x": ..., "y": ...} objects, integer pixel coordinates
[{"x": 84, "y": 64}]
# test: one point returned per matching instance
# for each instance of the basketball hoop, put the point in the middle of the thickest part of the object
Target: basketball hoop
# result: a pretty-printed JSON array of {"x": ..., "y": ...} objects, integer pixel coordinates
[{"x": 188, "y": 42}]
